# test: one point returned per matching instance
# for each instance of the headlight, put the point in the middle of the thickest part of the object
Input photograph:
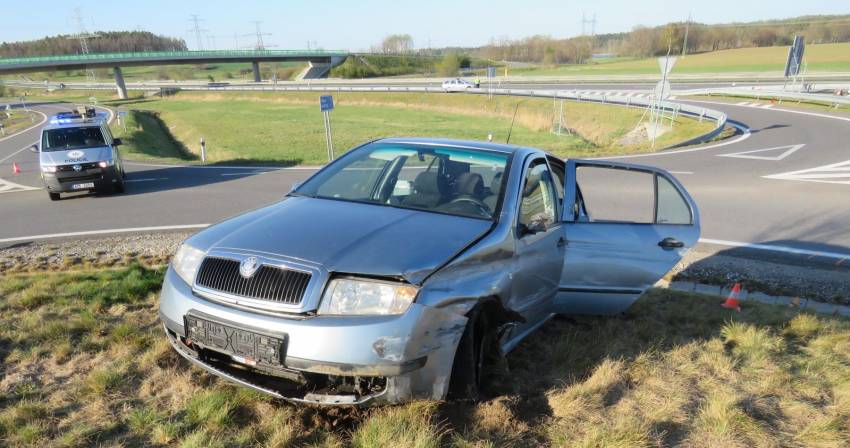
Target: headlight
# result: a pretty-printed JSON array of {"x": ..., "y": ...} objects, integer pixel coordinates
[
  {"x": 48, "y": 169},
  {"x": 186, "y": 262},
  {"x": 105, "y": 163},
  {"x": 366, "y": 297}
]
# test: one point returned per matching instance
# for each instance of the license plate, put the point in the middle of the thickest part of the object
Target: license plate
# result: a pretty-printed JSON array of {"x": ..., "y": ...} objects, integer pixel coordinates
[
  {"x": 82, "y": 186},
  {"x": 243, "y": 346}
]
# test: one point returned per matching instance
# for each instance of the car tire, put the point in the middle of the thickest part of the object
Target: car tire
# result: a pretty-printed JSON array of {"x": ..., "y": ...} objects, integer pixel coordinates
[
  {"x": 473, "y": 358},
  {"x": 119, "y": 186},
  {"x": 53, "y": 196}
]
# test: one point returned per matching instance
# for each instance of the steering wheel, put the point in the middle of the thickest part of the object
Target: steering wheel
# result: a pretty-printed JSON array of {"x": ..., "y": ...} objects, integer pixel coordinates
[{"x": 475, "y": 201}]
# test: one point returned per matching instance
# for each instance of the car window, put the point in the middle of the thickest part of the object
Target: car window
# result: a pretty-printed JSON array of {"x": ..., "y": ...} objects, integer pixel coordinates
[
  {"x": 442, "y": 179},
  {"x": 63, "y": 139},
  {"x": 537, "y": 206},
  {"x": 617, "y": 195}
]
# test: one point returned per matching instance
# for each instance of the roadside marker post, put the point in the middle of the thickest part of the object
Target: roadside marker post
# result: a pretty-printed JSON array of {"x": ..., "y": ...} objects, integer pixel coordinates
[
  {"x": 326, "y": 104},
  {"x": 203, "y": 150}
]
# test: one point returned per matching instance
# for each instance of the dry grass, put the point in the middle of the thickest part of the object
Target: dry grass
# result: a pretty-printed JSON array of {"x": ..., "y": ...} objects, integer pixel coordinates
[{"x": 84, "y": 363}]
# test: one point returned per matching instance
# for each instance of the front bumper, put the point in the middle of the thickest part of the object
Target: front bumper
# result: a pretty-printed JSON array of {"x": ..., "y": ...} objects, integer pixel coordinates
[
  {"x": 63, "y": 182},
  {"x": 400, "y": 357}
]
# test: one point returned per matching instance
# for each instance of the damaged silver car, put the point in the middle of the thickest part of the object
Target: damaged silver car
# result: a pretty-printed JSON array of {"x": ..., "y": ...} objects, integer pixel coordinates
[{"x": 401, "y": 269}]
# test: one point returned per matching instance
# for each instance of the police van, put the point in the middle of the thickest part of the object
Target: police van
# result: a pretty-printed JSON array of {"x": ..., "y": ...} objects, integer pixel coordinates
[{"x": 77, "y": 152}]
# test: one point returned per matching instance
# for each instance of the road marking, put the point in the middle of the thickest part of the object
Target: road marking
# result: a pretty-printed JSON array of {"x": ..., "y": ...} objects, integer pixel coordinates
[
  {"x": 227, "y": 167},
  {"x": 146, "y": 180},
  {"x": 745, "y": 135},
  {"x": 18, "y": 151},
  {"x": 246, "y": 173},
  {"x": 102, "y": 232},
  {"x": 836, "y": 173},
  {"x": 681, "y": 172},
  {"x": 772, "y": 248},
  {"x": 7, "y": 186},
  {"x": 766, "y": 106},
  {"x": 788, "y": 150}
]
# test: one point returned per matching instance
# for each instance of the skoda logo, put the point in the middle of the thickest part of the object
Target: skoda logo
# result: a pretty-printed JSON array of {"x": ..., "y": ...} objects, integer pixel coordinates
[
  {"x": 248, "y": 267},
  {"x": 75, "y": 154},
  {"x": 78, "y": 167}
]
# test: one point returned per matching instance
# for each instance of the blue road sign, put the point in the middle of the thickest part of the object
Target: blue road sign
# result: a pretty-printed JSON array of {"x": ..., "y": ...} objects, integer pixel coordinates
[
  {"x": 326, "y": 102},
  {"x": 491, "y": 72}
]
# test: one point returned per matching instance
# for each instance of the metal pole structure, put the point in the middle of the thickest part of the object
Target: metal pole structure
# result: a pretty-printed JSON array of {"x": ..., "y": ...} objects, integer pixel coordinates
[
  {"x": 685, "y": 43},
  {"x": 203, "y": 150},
  {"x": 330, "y": 136}
]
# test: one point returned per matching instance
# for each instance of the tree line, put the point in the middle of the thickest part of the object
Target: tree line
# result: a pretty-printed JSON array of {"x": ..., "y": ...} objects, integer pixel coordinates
[
  {"x": 655, "y": 41},
  {"x": 104, "y": 42}
]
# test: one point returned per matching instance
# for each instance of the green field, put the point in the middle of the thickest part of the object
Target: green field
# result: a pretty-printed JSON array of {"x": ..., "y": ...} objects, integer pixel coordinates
[
  {"x": 287, "y": 128},
  {"x": 85, "y": 363},
  {"x": 820, "y": 58}
]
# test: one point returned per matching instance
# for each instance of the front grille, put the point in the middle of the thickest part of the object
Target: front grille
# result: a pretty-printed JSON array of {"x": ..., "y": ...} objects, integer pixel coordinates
[
  {"x": 85, "y": 166},
  {"x": 268, "y": 283},
  {"x": 81, "y": 178}
]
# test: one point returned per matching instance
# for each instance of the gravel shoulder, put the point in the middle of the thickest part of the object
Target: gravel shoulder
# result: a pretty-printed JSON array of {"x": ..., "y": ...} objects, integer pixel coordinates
[{"x": 795, "y": 277}]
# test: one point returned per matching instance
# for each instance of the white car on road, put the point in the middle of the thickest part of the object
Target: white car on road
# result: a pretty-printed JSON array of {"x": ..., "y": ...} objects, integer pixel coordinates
[{"x": 457, "y": 85}]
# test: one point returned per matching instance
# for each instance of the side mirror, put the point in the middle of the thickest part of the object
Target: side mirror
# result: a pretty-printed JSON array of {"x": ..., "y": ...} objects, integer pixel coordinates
[
  {"x": 535, "y": 226},
  {"x": 116, "y": 142},
  {"x": 34, "y": 148}
]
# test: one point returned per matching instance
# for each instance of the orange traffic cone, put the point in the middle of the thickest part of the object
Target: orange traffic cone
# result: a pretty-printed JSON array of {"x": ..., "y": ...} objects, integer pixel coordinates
[
  {"x": 15, "y": 168},
  {"x": 732, "y": 301}
]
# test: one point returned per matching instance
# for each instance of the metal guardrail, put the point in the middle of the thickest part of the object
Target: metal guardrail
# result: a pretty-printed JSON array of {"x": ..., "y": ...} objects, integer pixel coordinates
[
  {"x": 170, "y": 55},
  {"x": 765, "y": 93},
  {"x": 695, "y": 112}
]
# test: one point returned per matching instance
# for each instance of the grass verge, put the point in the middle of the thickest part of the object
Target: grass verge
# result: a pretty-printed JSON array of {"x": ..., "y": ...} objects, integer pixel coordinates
[
  {"x": 14, "y": 121},
  {"x": 287, "y": 128},
  {"x": 84, "y": 363},
  {"x": 819, "y": 58}
]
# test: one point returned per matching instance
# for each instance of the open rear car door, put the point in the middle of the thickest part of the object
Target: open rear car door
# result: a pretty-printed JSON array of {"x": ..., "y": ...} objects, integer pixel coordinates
[{"x": 625, "y": 226}]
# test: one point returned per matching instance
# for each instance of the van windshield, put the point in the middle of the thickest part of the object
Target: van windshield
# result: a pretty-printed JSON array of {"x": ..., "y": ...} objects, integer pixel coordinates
[{"x": 63, "y": 139}]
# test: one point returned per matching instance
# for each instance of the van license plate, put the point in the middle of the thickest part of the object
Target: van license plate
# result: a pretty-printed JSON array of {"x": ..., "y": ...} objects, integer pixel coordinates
[
  {"x": 82, "y": 186},
  {"x": 243, "y": 346}
]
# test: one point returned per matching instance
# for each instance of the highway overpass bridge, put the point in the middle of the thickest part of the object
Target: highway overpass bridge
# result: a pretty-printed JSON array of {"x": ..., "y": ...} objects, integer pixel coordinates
[{"x": 320, "y": 61}]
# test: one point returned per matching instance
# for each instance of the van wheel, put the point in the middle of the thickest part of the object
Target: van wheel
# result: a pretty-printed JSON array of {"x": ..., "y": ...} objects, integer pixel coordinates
[
  {"x": 119, "y": 186},
  {"x": 53, "y": 196},
  {"x": 474, "y": 359}
]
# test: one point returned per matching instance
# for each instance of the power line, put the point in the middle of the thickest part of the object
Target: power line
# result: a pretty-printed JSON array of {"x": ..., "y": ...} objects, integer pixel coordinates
[
  {"x": 198, "y": 31},
  {"x": 260, "y": 45},
  {"x": 585, "y": 21}
]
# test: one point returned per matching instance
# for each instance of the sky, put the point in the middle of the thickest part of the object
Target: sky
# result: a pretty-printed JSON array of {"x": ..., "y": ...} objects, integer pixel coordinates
[{"x": 356, "y": 25}]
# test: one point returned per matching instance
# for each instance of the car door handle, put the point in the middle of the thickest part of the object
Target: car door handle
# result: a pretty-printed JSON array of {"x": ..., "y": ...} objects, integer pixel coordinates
[
  {"x": 562, "y": 242},
  {"x": 670, "y": 243}
]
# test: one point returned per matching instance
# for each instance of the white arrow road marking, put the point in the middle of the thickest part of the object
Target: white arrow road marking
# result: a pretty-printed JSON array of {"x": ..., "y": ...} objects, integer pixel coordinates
[
  {"x": 11, "y": 187},
  {"x": 836, "y": 173},
  {"x": 788, "y": 150}
]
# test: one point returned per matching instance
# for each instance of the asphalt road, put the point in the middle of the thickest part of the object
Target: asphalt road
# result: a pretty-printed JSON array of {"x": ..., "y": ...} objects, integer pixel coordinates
[{"x": 804, "y": 204}]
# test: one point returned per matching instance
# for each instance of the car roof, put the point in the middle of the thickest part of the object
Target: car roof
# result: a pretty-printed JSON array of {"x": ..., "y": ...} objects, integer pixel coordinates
[{"x": 471, "y": 144}]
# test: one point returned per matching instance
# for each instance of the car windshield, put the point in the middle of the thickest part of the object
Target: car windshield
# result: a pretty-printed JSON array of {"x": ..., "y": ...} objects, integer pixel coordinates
[
  {"x": 440, "y": 179},
  {"x": 63, "y": 139}
]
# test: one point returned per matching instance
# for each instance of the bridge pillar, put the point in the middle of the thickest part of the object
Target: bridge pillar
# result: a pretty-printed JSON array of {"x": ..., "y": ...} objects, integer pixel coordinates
[
  {"x": 256, "y": 67},
  {"x": 119, "y": 83}
]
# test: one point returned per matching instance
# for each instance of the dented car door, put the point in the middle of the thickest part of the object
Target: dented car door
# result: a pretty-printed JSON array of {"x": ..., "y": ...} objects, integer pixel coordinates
[{"x": 625, "y": 227}]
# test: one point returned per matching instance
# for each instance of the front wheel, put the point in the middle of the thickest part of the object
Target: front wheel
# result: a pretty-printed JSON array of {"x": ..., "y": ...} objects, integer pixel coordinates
[
  {"x": 474, "y": 358},
  {"x": 53, "y": 196}
]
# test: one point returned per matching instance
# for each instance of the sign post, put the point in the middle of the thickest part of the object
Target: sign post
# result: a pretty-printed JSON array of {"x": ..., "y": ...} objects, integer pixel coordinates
[
  {"x": 122, "y": 118},
  {"x": 795, "y": 60},
  {"x": 203, "y": 150},
  {"x": 326, "y": 104},
  {"x": 491, "y": 73}
]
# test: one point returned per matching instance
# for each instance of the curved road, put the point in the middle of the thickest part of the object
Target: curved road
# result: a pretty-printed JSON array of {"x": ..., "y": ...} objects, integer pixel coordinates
[{"x": 783, "y": 183}]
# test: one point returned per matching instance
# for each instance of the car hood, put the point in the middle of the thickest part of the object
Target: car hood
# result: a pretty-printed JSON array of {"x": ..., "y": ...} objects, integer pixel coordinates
[
  {"x": 86, "y": 155},
  {"x": 349, "y": 237}
]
